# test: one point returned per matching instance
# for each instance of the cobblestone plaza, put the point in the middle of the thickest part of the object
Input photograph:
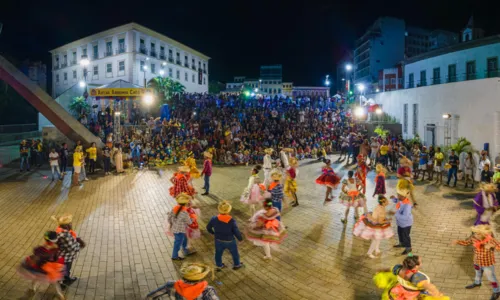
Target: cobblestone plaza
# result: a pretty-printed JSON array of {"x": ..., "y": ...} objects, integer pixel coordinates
[{"x": 122, "y": 218}]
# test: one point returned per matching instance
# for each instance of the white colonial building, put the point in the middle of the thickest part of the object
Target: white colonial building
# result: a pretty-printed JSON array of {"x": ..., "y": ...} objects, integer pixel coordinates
[{"x": 132, "y": 53}]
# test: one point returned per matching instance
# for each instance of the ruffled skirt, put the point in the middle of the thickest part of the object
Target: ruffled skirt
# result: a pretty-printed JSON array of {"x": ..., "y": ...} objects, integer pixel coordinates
[
  {"x": 52, "y": 272},
  {"x": 328, "y": 180},
  {"x": 352, "y": 199},
  {"x": 290, "y": 187},
  {"x": 395, "y": 291},
  {"x": 367, "y": 230},
  {"x": 254, "y": 196},
  {"x": 260, "y": 236}
]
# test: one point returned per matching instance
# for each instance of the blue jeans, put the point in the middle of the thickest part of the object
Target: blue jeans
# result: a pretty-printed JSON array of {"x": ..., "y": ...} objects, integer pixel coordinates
[
  {"x": 24, "y": 159},
  {"x": 278, "y": 205},
  {"x": 452, "y": 172},
  {"x": 207, "y": 183},
  {"x": 220, "y": 246},
  {"x": 179, "y": 242},
  {"x": 490, "y": 274},
  {"x": 107, "y": 162}
]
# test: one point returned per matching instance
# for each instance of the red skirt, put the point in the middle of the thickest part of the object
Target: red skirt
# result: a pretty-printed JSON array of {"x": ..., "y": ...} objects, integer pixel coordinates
[{"x": 330, "y": 180}]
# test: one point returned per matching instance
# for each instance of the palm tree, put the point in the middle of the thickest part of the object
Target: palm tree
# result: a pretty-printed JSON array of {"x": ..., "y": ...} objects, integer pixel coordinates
[{"x": 166, "y": 88}]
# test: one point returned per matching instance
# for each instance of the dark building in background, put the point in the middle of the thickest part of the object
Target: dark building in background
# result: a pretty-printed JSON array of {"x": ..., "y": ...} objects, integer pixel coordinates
[{"x": 36, "y": 71}]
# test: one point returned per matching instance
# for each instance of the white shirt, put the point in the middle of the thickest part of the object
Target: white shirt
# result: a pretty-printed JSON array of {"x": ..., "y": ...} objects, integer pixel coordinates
[
  {"x": 267, "y": 161},
  {"x": 284, "y": 159},
  {"x": 54, "y": 162}
]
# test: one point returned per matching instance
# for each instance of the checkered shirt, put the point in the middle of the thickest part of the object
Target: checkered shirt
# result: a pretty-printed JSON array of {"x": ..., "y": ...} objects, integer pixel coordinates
[
  {"x": 277, "y": 193},
  {"x": 482, "y": 257},
  {"x": 181, "y": 222},
  {"x": 68, "y": 246}
]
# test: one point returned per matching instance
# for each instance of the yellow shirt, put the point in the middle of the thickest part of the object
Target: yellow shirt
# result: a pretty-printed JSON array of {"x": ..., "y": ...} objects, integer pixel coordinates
[
  {"x": 384, "y": 149},
  {"x": 77, "y": 159},
  {"x": 92, "y": 151},
  {"x": 438, "y": 157}
]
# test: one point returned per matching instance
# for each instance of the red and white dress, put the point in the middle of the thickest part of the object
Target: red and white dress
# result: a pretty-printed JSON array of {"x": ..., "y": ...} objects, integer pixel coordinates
[
  {"x": 353, "y": 197},
  {"x": 265, "y": 229},
  {"x": 253, "y": 193},
  {"x": 369, "y": 229},
  {"x": 328, "y": 178}
]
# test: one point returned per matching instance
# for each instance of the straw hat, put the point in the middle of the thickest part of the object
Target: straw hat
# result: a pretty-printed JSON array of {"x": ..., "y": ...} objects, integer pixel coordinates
[
  {"x": 64, "y": 219},
  {"x": 488, "y": 187},
  {"x": 183, "y": 198},
  {"x": 293, "y": 162},
  {"x": 224, "y": 207},
  {"x": 482, "y": 229},
  {"x": 194, "y": 271},
  {"x": 403, "y": 192},
  {"x": 497, "y": 167},
  {"x": 380, "y": 168},
  {"x": 269, "y": 150},
  {"x": 404, "y": 161},
  {"x": 290, "y": 150},
  {"x": 184, "y": 169},
  {"x": 276, "y": 175},
  {"x": 207, "y": 154}
]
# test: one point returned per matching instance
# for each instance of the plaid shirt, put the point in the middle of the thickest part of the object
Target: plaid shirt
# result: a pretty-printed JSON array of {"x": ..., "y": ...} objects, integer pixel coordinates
[
  {"x": 68, "y": 246},
  {"x": 181, "y": 185},
  {"x": 181, "y": 222},
  {"x": 276, "y": 192},
  {"x": 482, "y": 257}
]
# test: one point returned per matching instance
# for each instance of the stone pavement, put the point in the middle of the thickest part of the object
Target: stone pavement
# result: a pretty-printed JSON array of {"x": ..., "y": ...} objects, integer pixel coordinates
[{"x": 121, "y": 218}]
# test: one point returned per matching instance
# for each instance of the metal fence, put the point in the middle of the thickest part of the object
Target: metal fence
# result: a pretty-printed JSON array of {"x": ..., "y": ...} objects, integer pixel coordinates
[
  {"x": 452, "y": 78},
  {"x": 17, "y": 128}
]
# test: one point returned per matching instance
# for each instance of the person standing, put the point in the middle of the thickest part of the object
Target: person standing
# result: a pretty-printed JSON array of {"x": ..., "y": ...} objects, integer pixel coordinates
[
  {"x": 374, "y": 151},
  {"x": 39, "y": 153},
  {"x": 23, "y": 153},
  {"x": 484, "y": 160},
  {"x": 92, "y": 153},
  {"x": 485, "y": 203},
  {"x": 267, "y": 165},
  {"x": 469, "y": 168},
  {"x": 484, "y": 246},
  {"x": 207, "y": 172},
  {"x": 225, "y": 231},
  {"x": 380, "y": 180},
  {"x": 404, "y": 220},
  {"x": 438, "y": 166},
  {"x": 64, "y": 154},
  {"x": 276, "y": 190},
  {"x": 119, "y": 159},
  {"x": 106, "y": 153},
  {"x": 77, "y": 165},
  {"x": 179, "y": 220},
  {"x": 329, "y": 179},
  {"x": 180, "y": 182},
  {"x": 453, "y": 160},
  {"x": 54, "y": 163}
]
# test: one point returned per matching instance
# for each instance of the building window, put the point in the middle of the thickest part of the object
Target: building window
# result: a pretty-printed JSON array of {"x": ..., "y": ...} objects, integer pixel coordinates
[
  {"x": 74, "y": 74},
  {"x": 452, "y": 73},
  {"x": 84, "y": 51},
  {"x": 142, "y": 65},
  {"x": 109, "y": 48},
  {"x": 170, "y": 73},
  {"x": 57, "y": 78},
  {"x": 405, "y": 118},
  {"x": 436, "y": 76},
  {"x": 65, "y": 76},
  {"x": 73, "y": 59},
  {"x": 492, "y": 63},
  {"x": 471, "y": 70},
  {"x": 204, "y": 80},
  {"x": 95, "y": 48},
  {"x": 109, "y": 68},
  {"x": 152, "y": 51},
  {"x": 178, "y": 56},
  {"x": 423, "y": 78},
  {"x": 194, "y": 78},
  {"x": 415, "y": 119},
  {"x": 170, "y": 56},
  {"x": 121, "y": 66},
  {"x": 185, "y": 76},
  {"x": 153, "y": 68},
  {"x": 178, "y": 74},
  {"x": 393, "y": 81},
  {"x": 96, "y": 70},
  {"x": 186, "y": 59},
  {"x": 386, "y": 81},
  {"x": 411, "y": 80},
  {"x": 193, "y": 64},
  {"x": 279, "y": 91},
  {"x": 121, "y": 45},
  {"x": 65, "y": 59}
]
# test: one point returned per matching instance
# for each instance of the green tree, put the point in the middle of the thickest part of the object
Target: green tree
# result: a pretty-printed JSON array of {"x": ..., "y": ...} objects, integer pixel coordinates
[
  {"x": 166, "y": 88},
  {"x": 79, "y": 106}
]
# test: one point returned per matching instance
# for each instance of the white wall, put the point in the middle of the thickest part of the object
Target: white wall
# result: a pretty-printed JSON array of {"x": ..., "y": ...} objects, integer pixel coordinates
[{"x": 475, "y": 106}]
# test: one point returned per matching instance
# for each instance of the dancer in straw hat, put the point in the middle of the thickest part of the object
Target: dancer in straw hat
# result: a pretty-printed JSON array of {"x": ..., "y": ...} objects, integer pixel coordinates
[
  {"x": 43, "y": 266},
  {"x": 290, "y": 182},
  {"x": 276, "y": 190},
  {"x": 207, "y": 172},
  {"x": 180, "y": 181},
  {"x": 265, "y": 228},
  {"x": 404, "y": 220},
  {"x": 253, "y": 193},
  {"x": 191, "y": 163},
  {"x": 484, "y": 256},
  {"x": 405, "y": 181},
  {"x": 407, "y": 281},
  {"x": 374, "y": 226},
  {"x": 69, "y": 244},
  {"x": 329, "y": 179},
  {"x": 178, "y": 221},
  {"x": 267, "y": 165},
  {"x": 485, "y": 203},
  {"x": 225, "y": 231},
  {"x": 190, "y": 287},
  {"x": 380, "y": 180},
  {"x": 351, "y": 196}
]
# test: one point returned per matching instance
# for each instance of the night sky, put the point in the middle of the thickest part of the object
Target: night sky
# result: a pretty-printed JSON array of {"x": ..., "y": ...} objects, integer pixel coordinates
[{"x": 306, "y": 37}]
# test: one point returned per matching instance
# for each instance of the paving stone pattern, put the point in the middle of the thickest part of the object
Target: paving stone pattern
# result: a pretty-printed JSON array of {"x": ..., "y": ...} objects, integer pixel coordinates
[{"x": 121, "y": 218}]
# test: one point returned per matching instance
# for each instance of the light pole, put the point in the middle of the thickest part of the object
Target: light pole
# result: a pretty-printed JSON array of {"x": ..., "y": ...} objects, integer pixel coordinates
[
  {"x": 327, "y": 80},
  {"x": 144, "y": 69},
  {"x": 348, "y": 69},
  {"x": 84, "y": 62},
  {"x": 361, "y": 89}
]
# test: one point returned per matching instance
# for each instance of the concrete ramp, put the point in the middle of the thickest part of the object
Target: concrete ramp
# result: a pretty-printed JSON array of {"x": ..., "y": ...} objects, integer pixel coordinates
[{"x": 47, "y": 106}]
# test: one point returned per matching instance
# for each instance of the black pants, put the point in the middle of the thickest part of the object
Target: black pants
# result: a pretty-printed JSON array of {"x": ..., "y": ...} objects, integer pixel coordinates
[
  {"x": 67, "y": 271},
  {"x": 107, "y": 162},
  {"x": 64, "y": 164},
  {"x": 404, "y": 237},
  {"x": 91, "y": 166}
]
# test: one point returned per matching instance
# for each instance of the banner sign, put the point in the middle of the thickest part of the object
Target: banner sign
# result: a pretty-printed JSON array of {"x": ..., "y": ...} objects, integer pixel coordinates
[{"x": 119, "y": 92}]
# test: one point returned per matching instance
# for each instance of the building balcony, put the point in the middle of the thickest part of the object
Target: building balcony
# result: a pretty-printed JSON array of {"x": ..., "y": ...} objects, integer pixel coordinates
[
  {"x": 178, "y": 62},
  {"x": 436, "y": 80},
  {"x": 108, "y": 53},
  {"x": 121, "y": 50},
  {"x": 152, "y": 53},
  {"x": 162, "y": 55},
  {"x": 170, "y": 59},
  {"x": 64, "y": 65},
  {"x": 193, "y": 67},
  {"x": 456, "y": 78},
  {"x": 143, "y": 50},
  {"x": 186, "y": 65}
]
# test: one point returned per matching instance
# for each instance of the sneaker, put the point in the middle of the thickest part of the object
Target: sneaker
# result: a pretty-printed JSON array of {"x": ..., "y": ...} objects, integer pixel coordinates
[
  {"x": 295, "y": 204},
  {"x": 371, "y": 256},
  {"x": 406, "y": 252},
  {"x": 204, "y": 194},
  {"x": 398, "y": 246},
  {"x": 218, "y": 269},
  {"x": 178, "y": 258},
  {"x": 86, "y": 179},
  {"x": 238, "y": 266},
  {"x": 472, "y": 285}
]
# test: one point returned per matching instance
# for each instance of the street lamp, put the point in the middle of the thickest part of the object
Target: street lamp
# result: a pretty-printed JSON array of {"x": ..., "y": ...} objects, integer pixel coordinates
[
  {"x": 361, "y": 87},
  {"x": 82, "y": 83},
  {"x": 144, "y": 69},
  {"x": 148, "y": 98},
  {"x": 256, "y": 90},
  {"x": 327, "y": 80},
  {"x": 164, "y": 63},
  {"x": 378, "y": 111},
  {"x": 377, "y": 90},
  {"x": 348, "y": 67},
  {"x": 359, "y": 112},
  {"x": 162, "y": 72}
]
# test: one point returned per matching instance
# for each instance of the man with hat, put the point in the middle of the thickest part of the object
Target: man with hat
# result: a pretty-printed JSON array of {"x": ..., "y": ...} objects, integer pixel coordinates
[
  {"x": 191, "y": 286},
  {"x": 404, "y": 219},
  {"x": 24, "y": 152},
  {"x": 485, "y": 203},
  {"x": 225, "y": 230},
  {"x": 69, "y": 244},
  {"x": 207, "y": 172},
  {"x": 484, "y": 256},
  {"x": 267, "y": 165}
]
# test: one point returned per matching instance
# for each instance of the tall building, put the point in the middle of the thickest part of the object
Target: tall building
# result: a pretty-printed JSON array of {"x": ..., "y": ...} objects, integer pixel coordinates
[
  {"x": 130, "y": 52},
  {"x": 271, "y": 79},
  {"x": 36, "y": 71},
  {"x": 271, "y": 72}
]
